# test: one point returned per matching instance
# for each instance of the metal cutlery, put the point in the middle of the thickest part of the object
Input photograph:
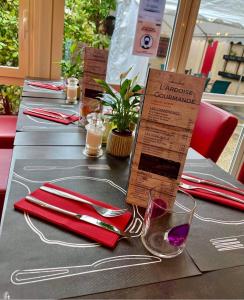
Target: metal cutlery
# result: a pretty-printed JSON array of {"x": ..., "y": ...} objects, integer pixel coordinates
[
  {"x": 84, "y": 218},
  {"x": 191, "y": 187},
  {"x": 203, "y": 181},
  {"x": 105, "y": 212},
  {"x": 56, "y": 113},
  {"x": 45, "y": 114}
]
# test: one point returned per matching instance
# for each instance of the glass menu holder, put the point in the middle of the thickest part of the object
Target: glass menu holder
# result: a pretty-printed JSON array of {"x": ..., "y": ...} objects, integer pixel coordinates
[
  {"x": 94, "y": 135},
  {"x": 72, "y": 90}
]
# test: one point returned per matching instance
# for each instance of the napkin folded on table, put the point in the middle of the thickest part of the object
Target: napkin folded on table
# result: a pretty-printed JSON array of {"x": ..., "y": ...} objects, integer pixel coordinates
[
  {"x": 48, "y": 86},
  {"x": 37, "y": 113},
  {"x": 203, "y": 194},
  {"x": 90, "y": 231}
]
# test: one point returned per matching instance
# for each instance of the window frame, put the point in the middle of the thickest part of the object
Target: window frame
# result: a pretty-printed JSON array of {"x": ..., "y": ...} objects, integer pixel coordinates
[
  {"x": 15, "y": 74},
  {"x": 41, "y": 25}
]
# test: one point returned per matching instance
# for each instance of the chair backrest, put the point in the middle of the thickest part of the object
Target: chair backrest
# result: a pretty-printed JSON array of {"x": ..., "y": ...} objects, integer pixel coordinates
[
  {"x": 240, "y": 176},
  {"x": 220, "y": 87},
  {"x": 212, "y": 130}
]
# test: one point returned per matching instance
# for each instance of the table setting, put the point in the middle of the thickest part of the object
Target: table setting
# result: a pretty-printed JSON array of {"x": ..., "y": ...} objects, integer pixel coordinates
[
  {"x": 46, "y": 115},
  {"x": 78, "y": 255},
  {"x": 43, "y": 89},
  {"x": 207, "y": 189},
  {"x": 52, "y": 115},
  {"x": 126, "y": 259},
  {"x": 69, "y": 229}
]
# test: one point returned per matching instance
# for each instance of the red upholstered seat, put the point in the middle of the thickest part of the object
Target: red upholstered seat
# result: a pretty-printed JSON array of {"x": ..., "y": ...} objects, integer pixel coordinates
[
  {"x": 7, "y": 131},
  {"x": 5, "y": 161},
  {"x": 212, "y": 131},
  {"x": 240, "y": 176}
]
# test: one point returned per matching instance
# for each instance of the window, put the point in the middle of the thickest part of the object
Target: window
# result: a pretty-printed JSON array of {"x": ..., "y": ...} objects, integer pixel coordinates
[
  {"x": 217, "y": 53},
  {"x": 13, "y": 40}
]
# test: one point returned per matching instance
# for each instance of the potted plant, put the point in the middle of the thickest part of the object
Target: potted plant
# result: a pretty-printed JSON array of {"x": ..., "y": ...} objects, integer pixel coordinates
[
  {"x": 9, "y": 99},
  {"x": 124, "y": 113}
]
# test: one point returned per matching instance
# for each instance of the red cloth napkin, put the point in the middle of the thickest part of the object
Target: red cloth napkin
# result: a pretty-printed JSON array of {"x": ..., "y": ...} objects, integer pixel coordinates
[
  {"x": 212, "y": 197},
  {"x": 90, "y": 231},
  {"x": 48, "y": 86},
  {"x": 36, "y": 113}
]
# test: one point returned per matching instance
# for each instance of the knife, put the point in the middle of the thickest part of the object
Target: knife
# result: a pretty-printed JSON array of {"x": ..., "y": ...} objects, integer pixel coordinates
[
  {"x": 84, "y": 218},
  {"x": 198, "y": 180},
  {"x": 46, "y": 114}
]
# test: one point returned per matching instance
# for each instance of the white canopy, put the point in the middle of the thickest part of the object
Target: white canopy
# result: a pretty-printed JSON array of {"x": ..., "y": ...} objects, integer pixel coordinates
[{"x": 217, "y": 18}]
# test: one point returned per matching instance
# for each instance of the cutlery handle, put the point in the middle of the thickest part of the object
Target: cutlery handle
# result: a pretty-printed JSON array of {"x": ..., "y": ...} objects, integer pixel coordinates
[
  {"x": 65, "y": 195},
  {"x": 55, "y": 208},
  {"x": 221, "y": 194},
  {"x": 225, "y": 187}
]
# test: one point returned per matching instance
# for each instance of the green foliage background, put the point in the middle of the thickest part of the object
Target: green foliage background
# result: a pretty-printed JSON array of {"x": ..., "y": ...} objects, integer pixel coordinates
[
  {"x": 9, "y": 33},
  {"x": 83, "y": 25},
  {"x": 9, "y": 95}
]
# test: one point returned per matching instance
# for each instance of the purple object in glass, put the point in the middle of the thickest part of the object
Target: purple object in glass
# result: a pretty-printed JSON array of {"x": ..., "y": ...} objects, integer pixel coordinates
[{"x": 177, "y": 235}]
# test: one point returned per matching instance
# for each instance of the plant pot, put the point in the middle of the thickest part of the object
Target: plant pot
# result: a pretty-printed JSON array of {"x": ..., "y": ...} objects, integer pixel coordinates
[{"x": 119, "y": 144}]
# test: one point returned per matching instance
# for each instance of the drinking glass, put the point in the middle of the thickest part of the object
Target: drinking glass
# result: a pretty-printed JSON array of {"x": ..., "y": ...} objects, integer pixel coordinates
[{"x": 166, "y": 227}]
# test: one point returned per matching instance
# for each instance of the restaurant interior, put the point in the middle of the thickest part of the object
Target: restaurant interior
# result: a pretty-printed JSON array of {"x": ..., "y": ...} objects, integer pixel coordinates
[{"x": 121, "y": 149}]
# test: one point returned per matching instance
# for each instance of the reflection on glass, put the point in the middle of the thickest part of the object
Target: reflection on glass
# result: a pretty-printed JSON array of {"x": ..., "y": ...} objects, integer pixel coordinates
[
  {"x": 217, "y": 53},
  {"x": 159, "y": 61},
  {"x": 217, "y": 48}
]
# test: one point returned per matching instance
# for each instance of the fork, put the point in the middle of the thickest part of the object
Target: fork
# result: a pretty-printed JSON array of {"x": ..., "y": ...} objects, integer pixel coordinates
[
  {"x": 191, "y": 187},
  {"x": 105, "y": 212}
]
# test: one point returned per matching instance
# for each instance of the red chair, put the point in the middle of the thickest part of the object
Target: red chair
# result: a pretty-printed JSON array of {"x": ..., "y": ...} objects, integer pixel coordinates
[
  {"x": 212, "y": 130},
  {"x": 7, "y": 131},
  {"x": 240, "y": 176},
  {"x": 5, "y": 162}
]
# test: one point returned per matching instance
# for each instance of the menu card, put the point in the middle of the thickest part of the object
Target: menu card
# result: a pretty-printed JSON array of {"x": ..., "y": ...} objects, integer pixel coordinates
[
  {"x": 167, "y": 119},
  {"x": 95, "y": 66}
]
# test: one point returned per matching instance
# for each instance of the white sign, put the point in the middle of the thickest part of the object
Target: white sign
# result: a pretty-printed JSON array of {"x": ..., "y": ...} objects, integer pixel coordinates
[{"x": 149, "y": 20}]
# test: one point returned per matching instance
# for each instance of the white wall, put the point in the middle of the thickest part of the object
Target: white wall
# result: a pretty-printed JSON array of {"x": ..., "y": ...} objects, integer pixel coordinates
[
  {"x": 197, "y": 49},
  {"x": 196, "y": 53}
]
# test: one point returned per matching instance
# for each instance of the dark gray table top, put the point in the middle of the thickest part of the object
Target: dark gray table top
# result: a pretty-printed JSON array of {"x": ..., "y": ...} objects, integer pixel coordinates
[
  {"x": 79, "y": 260},
  {"x": 225, "y": 283},
  {"x": 50, "y": 138},
  {"x": 69, "y": 152}
]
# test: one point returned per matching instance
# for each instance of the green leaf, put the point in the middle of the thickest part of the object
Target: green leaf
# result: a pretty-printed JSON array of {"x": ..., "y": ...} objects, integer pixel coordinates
[
  {"x": 124, "y": 87},
  {"x": 136, "y": 88},
  {"x": 106, "y": 87}
]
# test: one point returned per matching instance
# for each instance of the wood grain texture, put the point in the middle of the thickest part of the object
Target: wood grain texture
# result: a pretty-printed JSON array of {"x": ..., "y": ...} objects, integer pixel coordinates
[{"x": 167, "y": 119}]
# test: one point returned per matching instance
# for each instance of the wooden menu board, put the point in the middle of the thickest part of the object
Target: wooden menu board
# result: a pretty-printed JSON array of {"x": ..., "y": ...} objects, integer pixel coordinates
[
  {"x": 95, "y": 66},
  {"x": 168, "y": 116}
]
